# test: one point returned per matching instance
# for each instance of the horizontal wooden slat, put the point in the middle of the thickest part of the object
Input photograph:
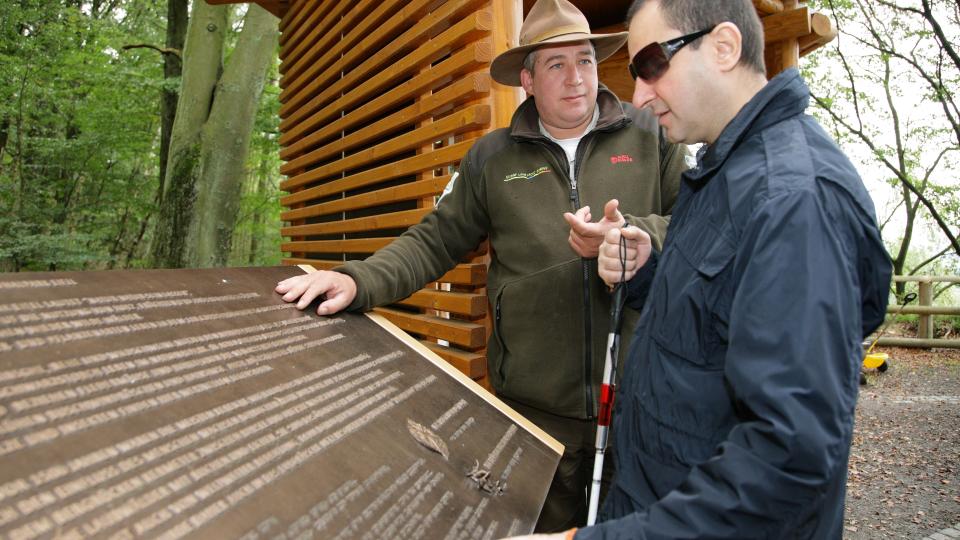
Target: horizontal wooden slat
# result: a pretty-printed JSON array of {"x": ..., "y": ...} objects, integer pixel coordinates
[
  {"x": 466, "y": 89},
  {"x": 328, "y": 121},
  {"x": 403, "y": 167},
  {"x": 471, "y": 364},
  {"x": 349, "y": 45},
  {"x": 472, "y": 274},
  {"x": 466, "y": 120},
  {"x": 403, "y": 192},
  {"x": 393, "y": 220},
  {"x": 362, "y": 245},
  {"x": 376, "y": 60},
  {"x": 466, "y": 304},
  {"x": 314, "y": 15},
  {"x": 316, "y": 263},
  {"x": 465, "y": 334},
  {"x": 373, "y": 77},
  {"x": 790, "y": 24},
  {"x": 478, "y": 252},
  {"x": 462, "y": 274},
  {"x": 321, "y": 46},
  {"x": 294, "y": 15}
]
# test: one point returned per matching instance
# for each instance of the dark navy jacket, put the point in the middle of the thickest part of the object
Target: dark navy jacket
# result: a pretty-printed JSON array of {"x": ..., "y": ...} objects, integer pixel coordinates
[{"x": 735, "y": 415}]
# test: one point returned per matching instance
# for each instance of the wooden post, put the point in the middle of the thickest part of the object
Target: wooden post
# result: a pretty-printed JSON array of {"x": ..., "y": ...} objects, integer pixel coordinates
[
  {"x": 507, "y": 16},
  {"x": 925, "y": 328},
  {"x": 789, "y": 48}
]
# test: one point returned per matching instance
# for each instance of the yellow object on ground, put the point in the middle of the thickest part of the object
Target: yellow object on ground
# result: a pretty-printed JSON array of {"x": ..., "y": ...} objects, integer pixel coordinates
[{"x": 875, "y": 360}]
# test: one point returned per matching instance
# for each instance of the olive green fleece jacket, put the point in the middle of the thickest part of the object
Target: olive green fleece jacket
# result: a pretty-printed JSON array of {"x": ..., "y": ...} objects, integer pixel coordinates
[{"x": 551, "y": 309}]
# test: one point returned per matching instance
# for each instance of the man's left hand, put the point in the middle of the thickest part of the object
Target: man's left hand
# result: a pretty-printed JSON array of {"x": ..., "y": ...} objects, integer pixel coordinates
[{"x": 586, "y": 237}]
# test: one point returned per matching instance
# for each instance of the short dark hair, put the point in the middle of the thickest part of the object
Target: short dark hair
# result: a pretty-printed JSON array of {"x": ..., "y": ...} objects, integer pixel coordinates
[{"x": 690, "y": 16}]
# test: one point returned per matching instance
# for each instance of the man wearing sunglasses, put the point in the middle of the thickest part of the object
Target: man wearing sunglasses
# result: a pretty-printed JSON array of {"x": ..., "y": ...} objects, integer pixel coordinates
[
  {"x": 736, "y": 409},
  {"x": 572, "y": 146}
]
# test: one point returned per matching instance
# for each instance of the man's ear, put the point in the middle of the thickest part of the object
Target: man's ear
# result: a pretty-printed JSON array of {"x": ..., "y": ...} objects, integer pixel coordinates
[
  {"x": 526, "y": 80},
  {"x": 727, "y": 45}
]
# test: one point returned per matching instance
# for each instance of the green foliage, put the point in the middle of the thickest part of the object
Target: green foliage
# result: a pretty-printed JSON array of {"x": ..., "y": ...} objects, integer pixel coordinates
[
  {"x": 885, "y": 88},
  {"x": 79, "y": 133}
]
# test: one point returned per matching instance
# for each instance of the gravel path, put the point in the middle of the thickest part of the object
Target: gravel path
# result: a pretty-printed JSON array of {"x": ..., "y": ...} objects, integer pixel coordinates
[{"x": 904, "y": 475}]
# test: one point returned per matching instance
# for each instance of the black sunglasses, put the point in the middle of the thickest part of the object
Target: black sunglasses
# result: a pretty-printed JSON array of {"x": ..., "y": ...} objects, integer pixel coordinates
[{"x": 652, "y": 61}]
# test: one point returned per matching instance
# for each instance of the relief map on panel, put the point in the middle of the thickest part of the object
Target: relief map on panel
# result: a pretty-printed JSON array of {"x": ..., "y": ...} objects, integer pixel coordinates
[{"x": 197, "y": 404}]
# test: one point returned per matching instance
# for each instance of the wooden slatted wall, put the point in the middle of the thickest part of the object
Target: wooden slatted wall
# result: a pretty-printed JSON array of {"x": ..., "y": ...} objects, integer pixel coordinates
[{"x": 380, "y": 100}]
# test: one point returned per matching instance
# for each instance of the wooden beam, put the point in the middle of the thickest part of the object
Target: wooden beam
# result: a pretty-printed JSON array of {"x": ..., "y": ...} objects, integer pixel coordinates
[
  {"x": 392, "y": 220},
  {"x": 466, "y": 274},
  {"x": 293, "y": 17},
  {"x": 471, "y": 364},
  {"x": 476, "y": 117},
  {"x": 768, "y": 7},
  {"x": 508, "y": 14},
  {"x": 472, "y": 57},
  {"x": 466, "y": 334},
  {"x": 785, "y": 25},
  {"x": 462, "y": 274},
  {"x": 330, "y": 122},
  {"x": 417, "y": 47},
  {"x": 363, "y": 245},
  {"x": 393, "y": 194},
  {"x": 415, "y": 164},
  {"x": 466, "y": 304},
  {"x": 822, "y": 32},
  {"x": 324, "y": 35},
  {"x": 319, "y": 264},
  {"x": 461, "y": 91}
]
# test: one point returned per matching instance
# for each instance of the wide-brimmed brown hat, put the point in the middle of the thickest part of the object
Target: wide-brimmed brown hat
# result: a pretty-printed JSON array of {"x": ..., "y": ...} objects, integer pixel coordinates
[{"x": 551, "y": 22}]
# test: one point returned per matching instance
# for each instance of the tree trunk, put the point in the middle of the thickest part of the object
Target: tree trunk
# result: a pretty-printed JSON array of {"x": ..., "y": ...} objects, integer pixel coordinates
[
  {"x": 177, "y": 20},
  {"x": 202, "y": 60},
  {"x": 262, "y": 188},
  {"x": 4, "y": 134},
  {"x": 226, "y": 138},
  {"x": 210, "y": 137}
]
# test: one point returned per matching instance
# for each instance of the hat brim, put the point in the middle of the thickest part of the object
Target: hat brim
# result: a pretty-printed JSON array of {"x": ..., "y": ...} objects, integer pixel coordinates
[{"x": 505, "y": 69}]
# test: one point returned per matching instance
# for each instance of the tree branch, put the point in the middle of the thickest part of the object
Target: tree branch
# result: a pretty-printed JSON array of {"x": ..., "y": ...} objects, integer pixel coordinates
[
  {"x": 161, "y": 50},
  {"x": 934, "y": 213}
]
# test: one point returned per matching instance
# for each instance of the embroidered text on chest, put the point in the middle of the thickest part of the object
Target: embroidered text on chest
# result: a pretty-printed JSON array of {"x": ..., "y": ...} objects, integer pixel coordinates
[{"x": 526, "y": 175}]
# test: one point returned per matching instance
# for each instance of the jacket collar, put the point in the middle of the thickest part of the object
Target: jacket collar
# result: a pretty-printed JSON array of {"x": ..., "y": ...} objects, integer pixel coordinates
[
  {"x": 525, "y": 122},
  {"x": 784, "y": 96}
]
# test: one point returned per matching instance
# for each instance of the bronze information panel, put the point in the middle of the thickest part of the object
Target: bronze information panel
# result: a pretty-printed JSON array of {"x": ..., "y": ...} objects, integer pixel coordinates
[{"x": 196, "y": 403}]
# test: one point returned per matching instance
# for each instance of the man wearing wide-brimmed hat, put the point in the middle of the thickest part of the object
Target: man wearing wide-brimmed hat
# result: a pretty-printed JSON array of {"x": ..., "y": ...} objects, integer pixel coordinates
[{"x": 571, "y": 146}]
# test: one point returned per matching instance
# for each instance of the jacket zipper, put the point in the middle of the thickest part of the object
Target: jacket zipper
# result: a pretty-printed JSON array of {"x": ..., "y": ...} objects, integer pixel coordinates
[
  {"x": 585, "y": 266},
  {"x": 587, "y": 304}
]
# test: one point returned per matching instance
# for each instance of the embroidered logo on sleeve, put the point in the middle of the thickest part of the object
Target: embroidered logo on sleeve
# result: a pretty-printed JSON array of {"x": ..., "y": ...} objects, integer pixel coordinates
[
  {"x": 526, "y": 175},
  {"x": 449, "y": 188}
]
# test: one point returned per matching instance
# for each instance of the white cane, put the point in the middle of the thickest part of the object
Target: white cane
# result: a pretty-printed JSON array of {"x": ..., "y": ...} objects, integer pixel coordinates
[{"x": 608, "y": 386}]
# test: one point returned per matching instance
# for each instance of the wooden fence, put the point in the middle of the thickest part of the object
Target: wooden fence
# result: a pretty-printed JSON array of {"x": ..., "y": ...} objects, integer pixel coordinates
[{"x": 924, "y": 308}]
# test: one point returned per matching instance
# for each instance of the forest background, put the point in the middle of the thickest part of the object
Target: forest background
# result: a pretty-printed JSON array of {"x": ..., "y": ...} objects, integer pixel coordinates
[{"x": 144, "y": 133}]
